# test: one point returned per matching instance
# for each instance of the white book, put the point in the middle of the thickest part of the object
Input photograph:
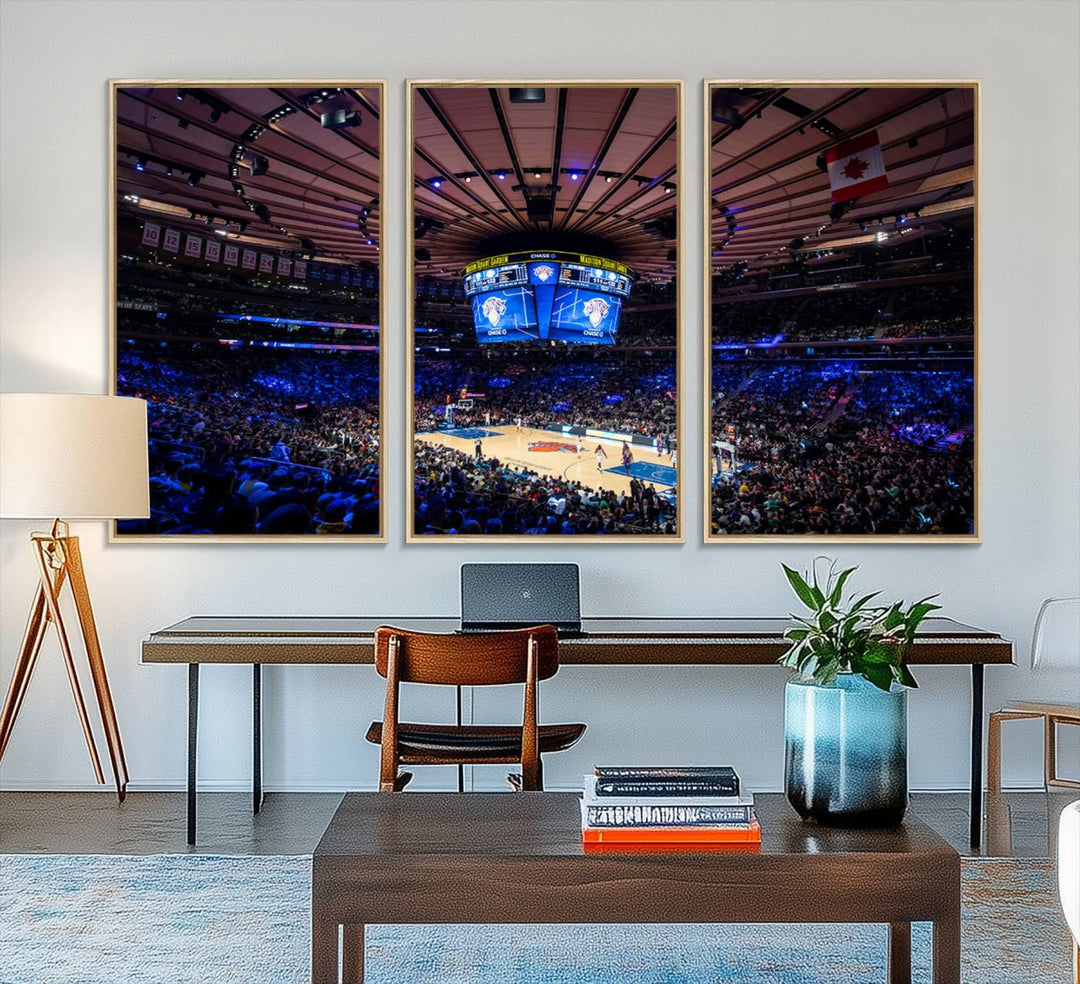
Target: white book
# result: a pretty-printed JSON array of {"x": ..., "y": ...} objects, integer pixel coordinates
[{"x": 591, "y": 799}]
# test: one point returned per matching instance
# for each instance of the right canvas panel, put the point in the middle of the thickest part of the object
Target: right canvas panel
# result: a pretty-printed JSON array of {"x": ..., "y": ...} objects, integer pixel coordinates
[{"x": 842, "y": 297}]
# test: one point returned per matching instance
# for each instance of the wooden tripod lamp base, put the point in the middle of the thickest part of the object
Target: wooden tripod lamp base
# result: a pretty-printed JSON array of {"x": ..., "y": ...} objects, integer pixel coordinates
[{"x": 59, "y": 561}]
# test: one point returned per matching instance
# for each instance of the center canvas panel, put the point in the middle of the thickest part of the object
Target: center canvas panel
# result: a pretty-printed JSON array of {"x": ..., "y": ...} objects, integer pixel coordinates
[{"x": 545, "y": 313}]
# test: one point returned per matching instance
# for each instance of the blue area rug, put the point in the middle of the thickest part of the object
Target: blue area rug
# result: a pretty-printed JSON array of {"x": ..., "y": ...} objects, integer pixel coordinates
[
  {"x": 246, "y": 920},
  {"x": 648, "y": 471}
]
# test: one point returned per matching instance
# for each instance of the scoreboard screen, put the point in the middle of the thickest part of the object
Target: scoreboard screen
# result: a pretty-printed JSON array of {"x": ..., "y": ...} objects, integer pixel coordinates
[{"x": 567, "y": 297}]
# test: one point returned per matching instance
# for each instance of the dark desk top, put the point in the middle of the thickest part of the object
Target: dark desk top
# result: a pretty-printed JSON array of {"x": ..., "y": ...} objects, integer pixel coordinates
[
  {"x": 620, "y": 640},
  {"x": 386, "y": 826}
]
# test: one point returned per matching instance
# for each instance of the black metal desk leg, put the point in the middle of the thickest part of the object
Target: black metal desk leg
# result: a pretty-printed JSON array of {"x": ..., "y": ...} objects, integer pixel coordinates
[
  {"x": 461, "y": 767},
  {"x": 192, "y": 748},
  {"x": 256, "y": 738},
  {"x": 976, "y": 753}
]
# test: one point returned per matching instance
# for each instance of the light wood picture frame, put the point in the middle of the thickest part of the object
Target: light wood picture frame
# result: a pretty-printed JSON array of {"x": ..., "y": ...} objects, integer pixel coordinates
[
  {"x": 247, "y": 304},
  {"x": 841, "y": 298},
  {"x": 566, "y": 174}
]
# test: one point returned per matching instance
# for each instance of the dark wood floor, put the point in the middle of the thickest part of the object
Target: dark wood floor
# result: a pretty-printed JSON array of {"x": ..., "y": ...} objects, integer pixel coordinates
[{"x": 1021, "y": 824}]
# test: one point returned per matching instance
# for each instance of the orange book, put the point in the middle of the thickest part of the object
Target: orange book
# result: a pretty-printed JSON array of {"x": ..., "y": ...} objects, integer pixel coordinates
[{"x": 749, "y": 834}]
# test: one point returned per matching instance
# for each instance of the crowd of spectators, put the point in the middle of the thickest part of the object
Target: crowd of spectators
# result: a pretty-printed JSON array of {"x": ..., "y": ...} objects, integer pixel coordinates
[
  {"x": 909, "y": 311},
  {"x": 827, "y": 448},
  {"x": 257, "y": 442},
  {"x": 458, "y": 493}
]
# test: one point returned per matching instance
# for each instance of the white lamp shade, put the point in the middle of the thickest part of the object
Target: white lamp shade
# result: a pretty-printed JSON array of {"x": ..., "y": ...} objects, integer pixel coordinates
[{"x": 73, "y": 456}]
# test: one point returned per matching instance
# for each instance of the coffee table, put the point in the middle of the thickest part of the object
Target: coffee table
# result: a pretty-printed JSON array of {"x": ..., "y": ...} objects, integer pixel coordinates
[{"x": 433, "y": 858}]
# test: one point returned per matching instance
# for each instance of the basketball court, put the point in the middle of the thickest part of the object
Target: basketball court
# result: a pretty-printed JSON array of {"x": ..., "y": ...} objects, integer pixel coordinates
[{"x": 555, "y": 454}]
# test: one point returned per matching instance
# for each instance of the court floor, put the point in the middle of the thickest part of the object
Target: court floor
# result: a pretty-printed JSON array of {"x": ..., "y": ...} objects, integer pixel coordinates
[{"x": 551, "y": 453}]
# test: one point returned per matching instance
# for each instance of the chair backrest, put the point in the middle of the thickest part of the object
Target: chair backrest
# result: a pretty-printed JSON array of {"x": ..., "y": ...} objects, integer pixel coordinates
[
  {"x": 1055, "y": 642},
  {"x": 468, "y": 660}
]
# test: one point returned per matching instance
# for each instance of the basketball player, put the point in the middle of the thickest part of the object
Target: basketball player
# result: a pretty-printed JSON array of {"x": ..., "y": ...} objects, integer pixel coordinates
[
  {"x": 659, "y": 445},
  {"x": 601, "y": 454},
  {"x": 580, "y": 445},
  {"x": 627, "y": 457},
  {"x": 517, "y": 423},
  {"x": 479, "y": 449}
]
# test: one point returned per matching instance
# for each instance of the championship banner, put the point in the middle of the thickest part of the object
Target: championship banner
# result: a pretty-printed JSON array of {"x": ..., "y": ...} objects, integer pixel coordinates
[
  {"x": 250, "y": 259},
  {"x": 232, "y": 255},
  {"x": 151, "y": 234},
  {"x": 300, "y": 269},
  {"x": 266, "y": 263},
  {"x": 213, "y": 250},
  {"x": 283, "y": 266},
  {"x": 193, "y": 246},
  {"x": 172, "y": 240},
  {"x": 856, "y": 167}
]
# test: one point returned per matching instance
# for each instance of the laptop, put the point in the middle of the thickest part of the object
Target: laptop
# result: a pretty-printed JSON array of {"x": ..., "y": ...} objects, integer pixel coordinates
[{"x": 516, "y": 596}]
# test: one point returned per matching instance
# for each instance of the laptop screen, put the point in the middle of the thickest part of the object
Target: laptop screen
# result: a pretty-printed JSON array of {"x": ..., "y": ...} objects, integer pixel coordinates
[{"x": 520, "y": 595}]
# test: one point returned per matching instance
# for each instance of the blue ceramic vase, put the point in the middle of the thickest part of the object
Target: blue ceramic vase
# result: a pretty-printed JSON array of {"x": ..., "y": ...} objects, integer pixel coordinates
[{"x": 846, "y": 751}]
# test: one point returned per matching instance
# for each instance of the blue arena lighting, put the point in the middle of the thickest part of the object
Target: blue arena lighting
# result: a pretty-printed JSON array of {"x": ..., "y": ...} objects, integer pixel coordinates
[
  {"x": 502, "y": 176},
  {"x": 436, "y": 183},
  {"x": 573, "y": 175}
]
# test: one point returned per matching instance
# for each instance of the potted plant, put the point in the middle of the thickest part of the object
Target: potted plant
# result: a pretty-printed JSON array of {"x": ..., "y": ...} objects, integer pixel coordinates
[{"x": 845, "y": 713}]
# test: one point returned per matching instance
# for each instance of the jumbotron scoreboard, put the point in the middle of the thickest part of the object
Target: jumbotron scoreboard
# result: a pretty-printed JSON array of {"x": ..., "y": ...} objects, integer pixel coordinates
[{"x": 567, "y": 297}]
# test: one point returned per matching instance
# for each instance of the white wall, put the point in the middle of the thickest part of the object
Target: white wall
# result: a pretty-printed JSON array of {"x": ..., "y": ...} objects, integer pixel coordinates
[{"x": 56, "y": 58}]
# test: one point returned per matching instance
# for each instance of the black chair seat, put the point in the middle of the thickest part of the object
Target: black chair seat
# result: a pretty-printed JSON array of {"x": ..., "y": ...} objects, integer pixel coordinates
[{"x": 474, "y": 742}]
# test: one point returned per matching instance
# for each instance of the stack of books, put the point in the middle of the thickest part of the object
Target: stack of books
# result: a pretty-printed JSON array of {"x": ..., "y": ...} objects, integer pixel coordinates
[{"x": 656, "y": 806}]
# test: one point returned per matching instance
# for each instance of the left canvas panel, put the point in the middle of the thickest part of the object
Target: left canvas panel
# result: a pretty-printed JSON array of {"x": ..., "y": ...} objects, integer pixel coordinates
[{"x": 247, "y": 305}]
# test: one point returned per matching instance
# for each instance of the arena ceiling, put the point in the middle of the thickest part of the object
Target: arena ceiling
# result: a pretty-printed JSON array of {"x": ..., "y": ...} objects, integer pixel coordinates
[
  {"x": 190, "y": 157},
  {"x": 570, "y": 163},
  {"x": 768, "y": 183}
]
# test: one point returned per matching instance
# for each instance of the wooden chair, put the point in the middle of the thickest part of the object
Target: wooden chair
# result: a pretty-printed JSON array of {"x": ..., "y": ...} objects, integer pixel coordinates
[
  {"x": 485, "y": 659},
  {"x": 1055, "y": 644}
]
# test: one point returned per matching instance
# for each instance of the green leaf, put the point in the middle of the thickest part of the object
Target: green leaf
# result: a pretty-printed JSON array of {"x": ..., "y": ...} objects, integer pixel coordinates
[
  {"x": 903, "y": 676},
  {"x": 880, "y": 676},
  {"x": 800, "y": 587},
  {"x": 863, "y": 601},
  {"x": 838, "y": 589}
]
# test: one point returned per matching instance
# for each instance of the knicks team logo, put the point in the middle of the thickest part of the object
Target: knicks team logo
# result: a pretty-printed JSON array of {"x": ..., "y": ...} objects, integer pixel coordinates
[
  {"x": 552, "y": 447},
  {"x": 544, "y": 273},
  {"x": 494, "y": 308},
  {"x": 596, "y": 309}
]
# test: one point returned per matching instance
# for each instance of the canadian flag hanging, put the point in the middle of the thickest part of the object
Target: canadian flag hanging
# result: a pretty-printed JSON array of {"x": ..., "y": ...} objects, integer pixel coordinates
[{"x": 856, "y": 167}]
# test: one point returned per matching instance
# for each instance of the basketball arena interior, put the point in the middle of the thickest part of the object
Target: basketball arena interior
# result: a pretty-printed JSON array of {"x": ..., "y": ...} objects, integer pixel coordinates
[
  {"x": 248, "y": 307},
  {"x": 545, "y": 317},
  {"x": 842, "y": 324}
]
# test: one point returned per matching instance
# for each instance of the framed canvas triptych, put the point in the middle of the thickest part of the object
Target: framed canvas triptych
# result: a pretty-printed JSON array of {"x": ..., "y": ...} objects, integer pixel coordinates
[{"x": 544, "y": 330}]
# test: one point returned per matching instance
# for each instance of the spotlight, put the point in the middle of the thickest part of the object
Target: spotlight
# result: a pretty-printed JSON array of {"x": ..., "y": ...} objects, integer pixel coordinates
[
  {"x": 668, "y": 189},
  {"x": 468, "y": 180},
  {"x": 259, "y": 165},
  {"x": 573, "y": 175},
  {"x": 140, "y": 163},
  {"x": 371, "y": 242},
  {"x": 168, "y": 172},
  {"x": 339, "y": 119},
  {"x": 261, "y": 211},
  {"x": 526, "y": 95},
  {"x": 215, "y": 115},
  {"x": 194, "y": 178},
  {"x": 180, "y": 95},
  {"x": 361, "y": 221},
  {"x": 608, "y": 179},
  {"x": 436, "y": 183},
  {"x": 502, "y": 175},
  {"x": 536, "y": 174}
]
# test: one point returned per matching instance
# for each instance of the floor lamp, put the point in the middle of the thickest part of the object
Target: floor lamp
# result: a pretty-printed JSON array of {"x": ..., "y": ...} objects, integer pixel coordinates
[{"x": 79, "y": 457}]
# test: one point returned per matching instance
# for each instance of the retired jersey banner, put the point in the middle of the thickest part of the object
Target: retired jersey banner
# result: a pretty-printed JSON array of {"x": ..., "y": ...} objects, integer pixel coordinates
[
  {"x": 266, "y": 263},
  {"x": 856, "y": 167},
  {"x": 151, "y": 234},
  {"x": 251, "y": 258},
  {"x": 283, "y": 266},
  {"x": 193, "y": 247},
  {"x": 300, "y": 269},
  {"x": 213, "y": 250},
  {"x": 232, "y": 255},
  {"x": 172, "y": 240}
]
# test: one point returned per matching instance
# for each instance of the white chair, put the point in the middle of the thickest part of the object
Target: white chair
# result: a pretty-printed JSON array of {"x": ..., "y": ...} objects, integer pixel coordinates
[
  {"x": 1069, "y": 875},
  {"x": 1055, "y": 645}
]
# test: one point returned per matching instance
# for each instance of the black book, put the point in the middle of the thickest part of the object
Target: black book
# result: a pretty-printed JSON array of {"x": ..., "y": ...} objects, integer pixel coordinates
[{"x": 719, "y": 780}]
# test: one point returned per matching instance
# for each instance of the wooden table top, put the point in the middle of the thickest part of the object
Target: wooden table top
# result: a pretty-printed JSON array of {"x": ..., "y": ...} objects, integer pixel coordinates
[
  {"x": 386, "y": 827},
  {"x": 604, "y": 640}
]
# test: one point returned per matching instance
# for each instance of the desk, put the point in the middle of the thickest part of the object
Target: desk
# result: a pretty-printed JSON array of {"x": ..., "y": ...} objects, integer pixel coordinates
[
  {"x": 620, "y": 641},
  {"x": 436, "y": 858}
]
